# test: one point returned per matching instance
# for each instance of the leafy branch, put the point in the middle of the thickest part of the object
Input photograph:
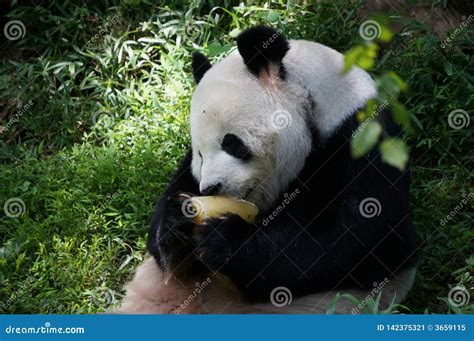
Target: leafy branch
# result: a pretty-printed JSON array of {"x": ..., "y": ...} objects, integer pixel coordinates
[{"x": 370, "y": 133}]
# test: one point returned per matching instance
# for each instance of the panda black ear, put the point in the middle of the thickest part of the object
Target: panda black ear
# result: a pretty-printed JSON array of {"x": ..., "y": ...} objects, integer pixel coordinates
[
  {"x": 260, "y": 47},
  {"x": 200, "y": 66}
]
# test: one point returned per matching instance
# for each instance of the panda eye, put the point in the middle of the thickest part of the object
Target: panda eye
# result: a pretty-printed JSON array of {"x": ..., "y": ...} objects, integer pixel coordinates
[{"x": 234, "y": 146}]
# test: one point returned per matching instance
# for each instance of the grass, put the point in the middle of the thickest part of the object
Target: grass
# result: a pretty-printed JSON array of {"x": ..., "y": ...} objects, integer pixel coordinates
[{"x": 95, "y": 100}]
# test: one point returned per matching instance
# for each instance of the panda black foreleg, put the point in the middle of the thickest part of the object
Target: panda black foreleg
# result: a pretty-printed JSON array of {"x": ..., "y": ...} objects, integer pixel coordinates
[
  {"x": 170, "y": 240},
  {"x": 217, "y": 239},
  {"x": 258, "y": 260}
]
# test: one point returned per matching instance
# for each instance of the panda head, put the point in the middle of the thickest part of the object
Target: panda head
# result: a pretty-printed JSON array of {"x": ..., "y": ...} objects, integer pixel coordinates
[{"x": 249, "y": 131}]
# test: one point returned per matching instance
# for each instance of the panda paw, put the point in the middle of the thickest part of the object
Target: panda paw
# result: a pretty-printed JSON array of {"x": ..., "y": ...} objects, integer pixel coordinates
[
  {"x": 217, "y": 240},
  {"x": 174, "y": 234}
]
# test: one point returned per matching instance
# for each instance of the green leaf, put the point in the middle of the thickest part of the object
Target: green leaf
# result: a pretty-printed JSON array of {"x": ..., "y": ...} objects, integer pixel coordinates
[
  {"x": 401, "y": 114},
  {"x": 215, "y": 49},
  {"x": 385, "y": 34},
  {"x": 394, "y": 152},
  {"x": 234, "y": 33},
  {"x": 365, "y": 138},
  {"x": 372, "y": 107},
  {"x": 448, "y": 67},
  {"x": 332, "y": 305},
  {"x": 370, "y": 110},
  {"x": 400, "y": 83},
  {"x": 362, "y": 56},
  {"x": 272, "y": 16},
  {"x": 470, "y": 260},
  {"x": 389, "y": 85},
  {"x": 350, "y": 58},
  {"x": 377, "y": 303}
]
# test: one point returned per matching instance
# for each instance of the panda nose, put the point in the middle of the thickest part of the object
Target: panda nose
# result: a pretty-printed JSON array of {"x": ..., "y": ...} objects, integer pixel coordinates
[{"x": 212, "y": 190}]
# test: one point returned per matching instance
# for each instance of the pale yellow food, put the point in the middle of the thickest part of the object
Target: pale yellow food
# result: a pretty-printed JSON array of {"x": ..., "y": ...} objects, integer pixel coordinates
[{"x": 218, "y": 206}]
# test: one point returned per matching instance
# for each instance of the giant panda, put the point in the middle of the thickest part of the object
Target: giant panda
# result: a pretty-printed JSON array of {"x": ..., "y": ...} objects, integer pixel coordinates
[{"x": 271, "y": 124}]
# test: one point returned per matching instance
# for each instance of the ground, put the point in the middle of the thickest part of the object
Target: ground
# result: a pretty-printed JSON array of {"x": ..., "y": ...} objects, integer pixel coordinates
[{"x": 94, "y": 103}]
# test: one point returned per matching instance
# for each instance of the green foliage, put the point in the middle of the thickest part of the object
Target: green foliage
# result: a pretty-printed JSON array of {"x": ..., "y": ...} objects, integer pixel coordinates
[
  {"x": 362, "y": 55},
  {"x": 460, "y": 302},
  {"x": 365, "y": 139},
  {"x": 368, "y": 305},
  {"x": 109, "y": 83},
  {"x": 394, "y": 152}
]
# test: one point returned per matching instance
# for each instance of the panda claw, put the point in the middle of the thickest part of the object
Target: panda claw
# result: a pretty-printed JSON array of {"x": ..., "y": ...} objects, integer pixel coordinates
[
  {"x": 184, "y": 195},
  {"x": 217, "y": 239}
]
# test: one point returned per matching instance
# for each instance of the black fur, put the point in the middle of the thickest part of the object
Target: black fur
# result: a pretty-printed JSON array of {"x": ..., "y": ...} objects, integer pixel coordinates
[
  {"x": 319, "y": 240},
  {"x": 233, "y": 145},
  {"x": 169, "y": 240},
  {"x": 261, "y": 46},
  {"x": 212, "y": 190},
  {"x": 200, "y": 65}
]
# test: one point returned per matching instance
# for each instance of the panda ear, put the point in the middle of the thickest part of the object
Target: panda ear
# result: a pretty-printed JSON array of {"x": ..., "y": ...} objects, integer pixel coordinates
[
  {"x": 200, "y": 66},
  {"x": 262, "y": 47}
]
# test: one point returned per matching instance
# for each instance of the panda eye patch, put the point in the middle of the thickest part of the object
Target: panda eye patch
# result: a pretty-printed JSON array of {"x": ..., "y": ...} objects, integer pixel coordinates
[{"x": 234, "y": 146}]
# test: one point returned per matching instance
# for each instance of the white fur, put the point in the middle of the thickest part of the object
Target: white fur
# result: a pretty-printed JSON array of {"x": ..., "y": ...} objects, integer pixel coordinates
[
  {"x": 150, "y": 293},
  {"x": 319, "y": 69},
  {"x": 229, "y": 99}
]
